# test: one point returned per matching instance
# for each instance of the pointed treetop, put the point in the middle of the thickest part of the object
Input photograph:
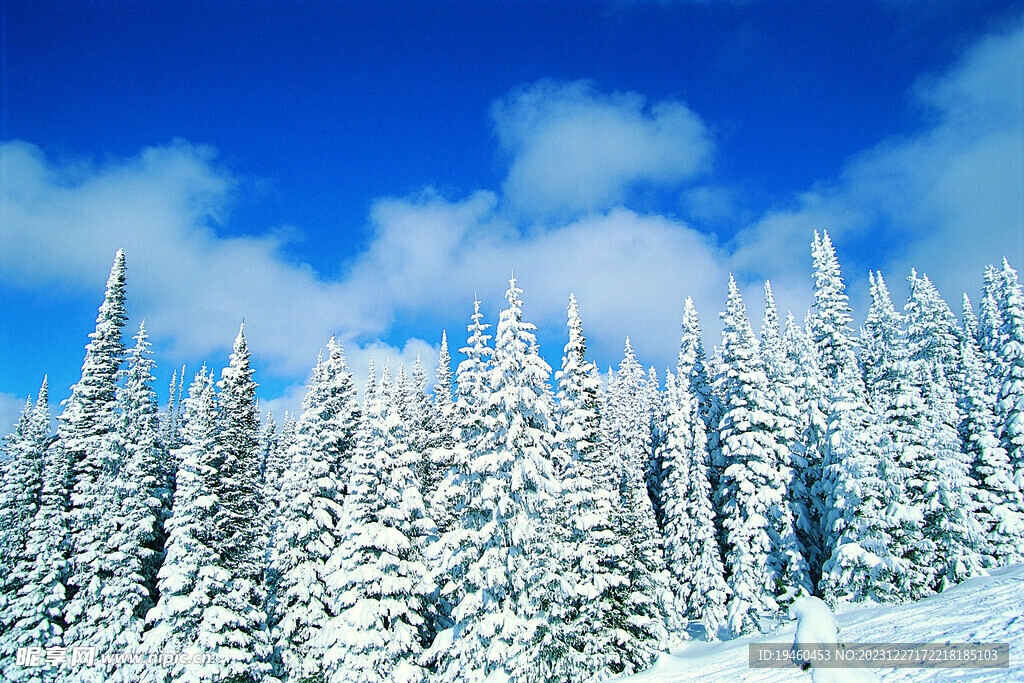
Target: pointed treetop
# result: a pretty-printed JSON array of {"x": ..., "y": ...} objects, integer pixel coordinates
[
  {"x": 44, "y": 392},
  {"x": 577, "y": 344},
  {"x": 770, "y": 325},
  {"x": 515, "y": 302}
]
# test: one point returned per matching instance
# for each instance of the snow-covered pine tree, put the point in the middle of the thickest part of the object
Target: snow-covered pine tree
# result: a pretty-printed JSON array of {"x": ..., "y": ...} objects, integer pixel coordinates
[
  {"x": 762, "y": 559},
  {"x": 38, "y": 611},
  {"x": 991, "y": 331},
  {"x": 472, "y": 394},
  {"x": 628, "y": 431},
  {"x": 422, "y": 429},
  {"x": 21, "y": 493},
  {"x": 586, "y": 640},
  {"x": 782, "y": 387},
  {"x": 657, "y": 414},
  {"x": 933, "y": 331},
  {"x": 896, "y": 382},
  {"x": 829, "y": 323},
  {"x": 443, "y": 402},
  {"x": 1000, "y": 507},
  {"x": 311, "y": 520},
  {"x": 691, "y": 539},
  {"x": 138, "y": 489},
  {"x": 238, "y": 628},
  {"x": 87, "y": 431},
  {"x": 807, "y": 450},
  {"x": 947, "y": 501},
  {"x": 269, "y": 445},
  {"x": 693, "y": 361},
  {"x": 191, "y": 574},
  {"x": 630, "y": 412},
  {"x": 1010, "y": 405},
  {"x": 171, "y": 419},
  {"x": 859, "y": 564},
  {"x": 383, "y": 596},
  {"x": 503, "y": 559},
  {"x": 441, "y": 450}
]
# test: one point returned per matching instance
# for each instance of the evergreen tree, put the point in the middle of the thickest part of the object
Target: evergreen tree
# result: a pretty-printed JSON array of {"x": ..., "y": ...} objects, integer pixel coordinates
[
  {"x": 762, "y": 558},
  {"x": 783, "y": 397},
  {"x": 807, "y": 451},
  {"x": 137, "y": 489},
  {"x": 861, "y": 564},
  {"x": 691, "y": 539},
  {"x": 238, "y": 629},
  {"x": 472, "y": 393},
  {"x": 89, "y": 438},
  {"x": 503, "y": 561},
  {"x": 171, "y": 420},
  {"x": 629, "y": 435},
  {"x": 383, "y": 599},
  {"x": 947, "y": 495},
  {"x": 21, "y": 499},
  {"x": 192, "y": 573},
  {"x": 1010, "y": 405},
  {"x": 1000, "y": 508},
  {"x": 311, "y": 521},
  {"x": 693, "y": 362},
  {"x": 441, "y": 450},
  {"x": 829, "y": 324},
  {"x": 587, "y": 641},
  {"x": 421, "y": 428},
  {"x": 991, "y": 330}
]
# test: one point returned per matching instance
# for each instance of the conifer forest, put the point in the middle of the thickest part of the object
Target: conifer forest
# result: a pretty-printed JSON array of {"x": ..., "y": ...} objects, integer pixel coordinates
[{"x": 515, "y": 520}]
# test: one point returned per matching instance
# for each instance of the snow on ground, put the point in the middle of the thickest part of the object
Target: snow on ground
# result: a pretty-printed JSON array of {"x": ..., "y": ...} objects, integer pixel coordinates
[{"x": 987, "y": 609}]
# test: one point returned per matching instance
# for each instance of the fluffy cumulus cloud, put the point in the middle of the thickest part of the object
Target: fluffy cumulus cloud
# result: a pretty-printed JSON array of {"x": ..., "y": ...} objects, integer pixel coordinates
[
  {"x": 947, "y": 200},
  {"x": 630, "y": 272},
  {"x": 575, "y": 150}
]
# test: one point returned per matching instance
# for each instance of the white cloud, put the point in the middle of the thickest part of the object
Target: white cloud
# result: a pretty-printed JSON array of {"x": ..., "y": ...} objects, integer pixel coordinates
[
  {"x": 575, "y": 150},
  {"x": 947, "y": 199},
  {"x": 64, "y": 221},
  {"x": 630, "y": 273}
]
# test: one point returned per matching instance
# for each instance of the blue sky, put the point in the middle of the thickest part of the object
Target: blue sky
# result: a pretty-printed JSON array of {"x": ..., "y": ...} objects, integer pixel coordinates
[{"x": 366, "y": 168}]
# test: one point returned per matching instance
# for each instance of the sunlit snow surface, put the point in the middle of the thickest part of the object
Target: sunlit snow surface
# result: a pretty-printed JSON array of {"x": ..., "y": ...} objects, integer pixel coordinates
[{"x": 988, "y": 609}]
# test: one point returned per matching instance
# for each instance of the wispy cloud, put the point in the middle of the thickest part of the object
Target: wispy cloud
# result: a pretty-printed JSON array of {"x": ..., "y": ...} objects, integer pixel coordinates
[{"x": 947, "y": 200}]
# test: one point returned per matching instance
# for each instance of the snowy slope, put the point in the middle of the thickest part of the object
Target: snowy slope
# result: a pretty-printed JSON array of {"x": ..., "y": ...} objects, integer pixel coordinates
[{"x": 987, "y": 609}]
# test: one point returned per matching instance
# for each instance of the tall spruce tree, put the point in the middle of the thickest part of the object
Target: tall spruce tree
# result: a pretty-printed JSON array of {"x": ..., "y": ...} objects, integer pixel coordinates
[
  {"x": 382, "y": 620},
  {"x": 587, "y": 641},
  {"x": 447, "y": 502},
  {"x": 503, "y": 560},
  {"x": 440, "y": 451},
  {"x": 946, "y": 496},
  {"x": 628, "y": 428},
  {"x": 21, "y": 499},
  {"x": 310, "y": 522},
  {"x": 239, "y": 627},
  {"x": 1000, "y": 507},
  {"x": 762, "y": 559},
  {"x": 1010, "y": 404},
  {"x": 192, "y": 573},
  {"x": 859, "y": 562},
  {"x": 88, "y": 435},
  {"x": 691, "y": 540},
  {"x": 829, "y": 323}
]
